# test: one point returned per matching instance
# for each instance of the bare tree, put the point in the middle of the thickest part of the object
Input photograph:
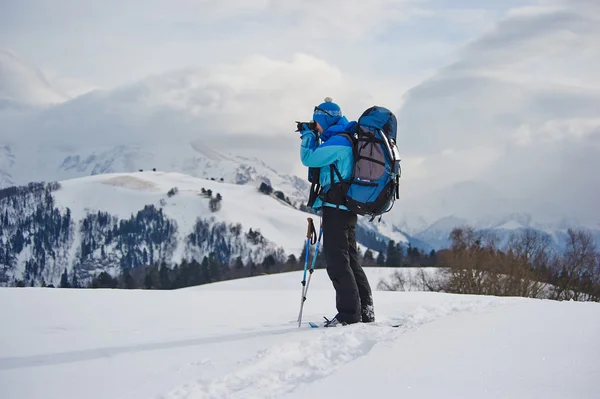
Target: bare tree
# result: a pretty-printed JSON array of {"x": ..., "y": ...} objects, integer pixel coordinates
[
  {"x": 577, "y": 268},
  {"x": 528, "y": 257}
]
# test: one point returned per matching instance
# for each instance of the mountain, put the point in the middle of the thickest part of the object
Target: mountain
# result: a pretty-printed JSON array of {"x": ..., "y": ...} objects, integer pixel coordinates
[
  {"x": 430, "y": 218},
  {"x": 112, "y": 221},
  {"x": 193, "y": 158},
  {"x": 240, "y": 339},
  {"x": 115, "y": 221}
]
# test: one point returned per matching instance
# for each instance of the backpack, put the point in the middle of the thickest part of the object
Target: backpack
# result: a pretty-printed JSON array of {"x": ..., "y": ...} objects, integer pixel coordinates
[{"x": 375, "y": 181}]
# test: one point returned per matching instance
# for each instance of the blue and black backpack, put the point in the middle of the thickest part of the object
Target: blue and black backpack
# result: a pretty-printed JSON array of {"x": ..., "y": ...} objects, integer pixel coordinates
[{"x": 375, "y": 181}]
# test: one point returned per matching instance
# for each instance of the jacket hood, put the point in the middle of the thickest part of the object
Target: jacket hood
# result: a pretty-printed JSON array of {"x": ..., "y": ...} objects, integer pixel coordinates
[{"x": 339, "y": 127}]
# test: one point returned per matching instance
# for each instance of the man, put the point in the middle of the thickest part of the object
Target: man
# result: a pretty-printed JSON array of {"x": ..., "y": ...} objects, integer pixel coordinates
[{"x": 331, "y": 146}]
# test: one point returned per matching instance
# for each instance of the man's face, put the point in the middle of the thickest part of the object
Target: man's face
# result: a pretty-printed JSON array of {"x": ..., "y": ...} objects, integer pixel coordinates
[{"x": 318, "y": 127}]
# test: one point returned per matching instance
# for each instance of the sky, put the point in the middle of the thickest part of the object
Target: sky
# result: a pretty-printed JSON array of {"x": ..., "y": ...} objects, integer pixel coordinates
[
  {"x": 115, "y": 42},
  {"x": 502, "y": 92}
]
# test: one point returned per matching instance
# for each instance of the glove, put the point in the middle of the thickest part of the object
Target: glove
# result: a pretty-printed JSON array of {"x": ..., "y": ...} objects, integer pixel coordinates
[{"x": 302, "y": 126}]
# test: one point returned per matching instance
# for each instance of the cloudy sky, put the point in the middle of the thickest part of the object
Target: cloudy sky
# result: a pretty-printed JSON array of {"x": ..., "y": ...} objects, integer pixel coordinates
[{"x": 505, "y": 92}]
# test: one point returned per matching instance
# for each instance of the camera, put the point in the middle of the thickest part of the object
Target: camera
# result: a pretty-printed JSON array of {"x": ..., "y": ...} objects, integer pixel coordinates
[{"x": 312, "y": 125}]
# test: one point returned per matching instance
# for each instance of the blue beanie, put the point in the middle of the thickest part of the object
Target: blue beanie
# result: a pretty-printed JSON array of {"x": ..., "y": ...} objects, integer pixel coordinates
[{"x": 327, "y": 113}]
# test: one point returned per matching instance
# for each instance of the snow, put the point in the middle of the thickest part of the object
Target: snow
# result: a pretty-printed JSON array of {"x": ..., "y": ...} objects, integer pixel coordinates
[
  {"x": 122, "y": 194},
  {"x": 510, "y": 225},
  {"x": 239, "y": 339}
]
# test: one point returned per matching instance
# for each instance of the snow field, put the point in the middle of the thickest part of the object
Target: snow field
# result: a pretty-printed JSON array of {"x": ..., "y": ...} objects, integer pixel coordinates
[{"x": 239, "y": 339}]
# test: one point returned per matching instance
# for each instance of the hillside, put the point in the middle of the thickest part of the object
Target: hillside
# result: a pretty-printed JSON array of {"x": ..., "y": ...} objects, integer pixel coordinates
[
  {"x": 112, "y": 222},
  {"x": 239, "y": 339}
]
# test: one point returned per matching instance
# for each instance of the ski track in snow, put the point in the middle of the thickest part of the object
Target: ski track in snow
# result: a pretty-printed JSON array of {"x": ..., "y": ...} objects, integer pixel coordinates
[
  {"x": 281, "y": 368},
  {"x": 8, "y": 363}
]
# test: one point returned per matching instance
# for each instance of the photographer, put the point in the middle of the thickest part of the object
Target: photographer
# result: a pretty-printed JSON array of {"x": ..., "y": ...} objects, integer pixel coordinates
[{"x": 325, "y": 147}]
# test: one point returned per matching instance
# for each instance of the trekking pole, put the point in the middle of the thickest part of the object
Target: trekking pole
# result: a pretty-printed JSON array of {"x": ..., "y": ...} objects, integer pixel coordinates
[
  {"x": 309, "y": 233},
  {"x": 312, "y": 268}
]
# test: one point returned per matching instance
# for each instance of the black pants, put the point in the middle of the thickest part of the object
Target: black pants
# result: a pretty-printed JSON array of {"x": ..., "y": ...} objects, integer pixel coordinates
[{"x": 354, "y": 300}]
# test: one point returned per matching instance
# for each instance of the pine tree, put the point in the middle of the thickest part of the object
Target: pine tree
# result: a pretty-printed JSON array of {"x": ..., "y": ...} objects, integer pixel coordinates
[
  {"x": 380, "y": 259},
  {"x": 414, "y": 255},
  {"x": 148, "y": 281},
  {"x": 368, "y": 258},
  {"x": 18, "y": 241},
  {"x": 214, "y": 204},
  {"x": 268, "y": 262},
  {"x": 291, "y": 261},
  {"x": 64, "y": 280},
  {"x": 394, "y": 255},
  {"x": 251, "y": 266},
  {"x": 239, "y": 263},
  {"x": 265, "y": 188},
  {"x": 105, "y": 280},
  {"x": 163, "y": 276},
  {"x": 75, "y": 282},
  {"x": 432, "y": 258},
  {"x": 214, "y": 267},
  {"x": 196, "y": 273},
  {"x": 128, "y": 281}
]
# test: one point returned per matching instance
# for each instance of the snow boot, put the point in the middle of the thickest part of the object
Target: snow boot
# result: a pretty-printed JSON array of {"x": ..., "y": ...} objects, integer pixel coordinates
[
  {"x": 334, "y": 322},
  {"x": 368, "y": 314}
]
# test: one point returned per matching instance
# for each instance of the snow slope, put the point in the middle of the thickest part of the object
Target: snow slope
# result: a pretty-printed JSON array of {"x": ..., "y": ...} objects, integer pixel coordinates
[
  {"x": 122, "y": 194},
  {"x": 239, "y": 339},
  {"x": 226, "y": 232}
]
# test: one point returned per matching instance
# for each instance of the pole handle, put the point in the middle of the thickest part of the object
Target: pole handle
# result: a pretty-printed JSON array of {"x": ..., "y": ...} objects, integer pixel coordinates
[{"x": 310, "y": 228}]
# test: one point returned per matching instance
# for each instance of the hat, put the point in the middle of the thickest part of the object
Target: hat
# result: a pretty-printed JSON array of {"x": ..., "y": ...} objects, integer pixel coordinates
[{"x": 327, "y": 113}]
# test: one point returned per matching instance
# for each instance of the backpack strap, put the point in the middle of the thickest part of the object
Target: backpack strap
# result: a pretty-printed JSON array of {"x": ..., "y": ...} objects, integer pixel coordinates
[{"x": 315, "y": 191}]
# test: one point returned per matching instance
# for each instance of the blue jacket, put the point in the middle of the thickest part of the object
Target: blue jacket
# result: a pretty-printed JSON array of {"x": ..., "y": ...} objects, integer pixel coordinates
[{"x": 334, "y": 149}]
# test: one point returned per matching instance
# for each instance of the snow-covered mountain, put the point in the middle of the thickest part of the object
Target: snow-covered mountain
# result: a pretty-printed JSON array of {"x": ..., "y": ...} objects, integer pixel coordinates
[
  {"x": 240, "y": 339},
  {"x": 430, "y": 218},
  {"x": 20, "y": 165},
  {"x": 109, "y": 222}
]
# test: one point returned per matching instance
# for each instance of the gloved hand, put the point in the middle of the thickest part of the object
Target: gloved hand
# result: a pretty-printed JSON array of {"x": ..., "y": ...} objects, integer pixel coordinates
[{"x": 302, "y": 126}]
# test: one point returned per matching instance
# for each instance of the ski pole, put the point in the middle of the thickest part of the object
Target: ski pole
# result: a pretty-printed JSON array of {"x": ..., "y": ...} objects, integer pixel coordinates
[
  {"x": 309, "y": 233},
  {"x": 312, "y": 266}
]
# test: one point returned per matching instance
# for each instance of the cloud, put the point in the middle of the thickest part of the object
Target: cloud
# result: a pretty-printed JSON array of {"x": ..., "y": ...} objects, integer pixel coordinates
[
  {"x": 23, "y": 85},
  {"x": 258, "y": 96},
  {"x": 521, "y": 108},
  {"x": 112, "y": 42},
  {"x": 521, "y": 94},
  {"x": 246, "y": 108}
]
